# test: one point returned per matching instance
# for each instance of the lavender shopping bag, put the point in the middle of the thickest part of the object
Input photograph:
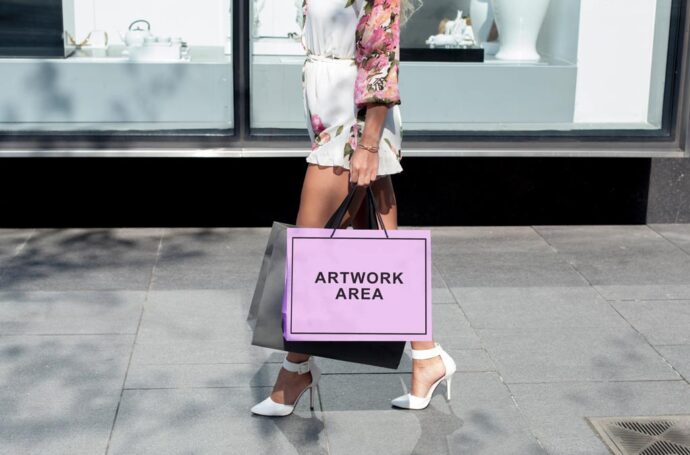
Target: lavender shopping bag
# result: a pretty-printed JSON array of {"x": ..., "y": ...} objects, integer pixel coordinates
[
  {"x": 357, "y": 285},
  {"x": 265, "y": 315}
]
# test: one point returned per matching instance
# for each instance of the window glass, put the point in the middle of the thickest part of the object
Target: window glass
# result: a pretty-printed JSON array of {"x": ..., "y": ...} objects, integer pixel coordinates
[
  {"x": 493, "y": 65},
  {"x": 122, "y": 65}
]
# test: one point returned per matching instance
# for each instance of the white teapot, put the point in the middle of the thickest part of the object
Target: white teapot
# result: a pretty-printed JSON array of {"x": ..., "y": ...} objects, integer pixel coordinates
[{"x": 137, "y": 36}]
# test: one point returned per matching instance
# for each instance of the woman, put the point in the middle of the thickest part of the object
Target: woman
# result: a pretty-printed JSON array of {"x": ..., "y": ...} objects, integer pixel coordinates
[{"x": 351, "y": 98}]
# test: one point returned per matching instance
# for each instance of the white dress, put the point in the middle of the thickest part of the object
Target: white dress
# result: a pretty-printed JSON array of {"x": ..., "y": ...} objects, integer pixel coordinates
[{"x": 352, "y": 59}]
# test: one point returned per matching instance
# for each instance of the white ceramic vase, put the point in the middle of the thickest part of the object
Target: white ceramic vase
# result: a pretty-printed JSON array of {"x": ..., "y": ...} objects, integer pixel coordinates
[
  {"x": 519, "y": 23},
  {"x": 482, "y": 15}
]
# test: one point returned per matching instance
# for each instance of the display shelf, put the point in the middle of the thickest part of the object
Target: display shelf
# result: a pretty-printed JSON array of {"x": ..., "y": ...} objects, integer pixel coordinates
[
  {"x": 112, "y": 93},
  {"x": 436, "y": 95}
]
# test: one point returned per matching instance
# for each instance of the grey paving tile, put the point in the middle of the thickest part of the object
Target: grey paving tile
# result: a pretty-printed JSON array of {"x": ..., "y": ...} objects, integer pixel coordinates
[
  {"x": 498, "y": 256},
  {"x": 365, "y": 391},
  {"x": 465, "y": 359},
  {"x": 644, "y": 291},
  {"x": 469, "y": 359},
  {"x": 58, "y": 394},
  {"x": 660, "y": 321},
  {"x": 359, "y": 417},
  {"x": 378, "y": 432},
  {"x": 214, "y": 272},
  {"x": 80, "y": 259},
  {"x": 440, "y": 293},
  {"x": 507, "y": 269},
  {"x": 609, "y": 238},
  {"x": 70, "y": 312},
  {"x": 480, "y": 418},
  {"x": 216, "y": 420},
  {"x": 191, "y": 242},
  {"x": 264, "y": 374},
  {"x": 199, "y": 338},
  {"x": 491, "y": 423},
  {"x": 202, "y": 375},
  {"x": 11, "y": 242},
  {"x": 679, "y": 357},
  {"x": 631, "y": 256},
  {"x": 198, "y": 315},
  {"x": 459, "y": 240},
  {"x": 451, "y": 328},
  {"x": 573, "y": 353},
  {"x": 548, "y": 306},
  {"x": 436, "y": 278},
  {"x": 197, "y": 327},
  {"x": 442, "y": 296},
  {"x": 188, "y": 351},
  {"x": 221, "y": 258},
  {"x": 677, "y": 233},
  {"x": 556, "y": 411}
]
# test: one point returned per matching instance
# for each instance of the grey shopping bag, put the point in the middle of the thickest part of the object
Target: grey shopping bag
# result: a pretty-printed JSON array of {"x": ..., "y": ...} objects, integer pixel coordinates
[
  {"x": 263, "y": 273},
  {"x": 266, "y": 310}
]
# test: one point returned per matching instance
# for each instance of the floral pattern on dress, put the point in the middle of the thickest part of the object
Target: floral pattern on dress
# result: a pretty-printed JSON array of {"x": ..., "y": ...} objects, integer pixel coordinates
[
  {"x": 375, "y": 58},
  {"x": 377, "y": 53}
]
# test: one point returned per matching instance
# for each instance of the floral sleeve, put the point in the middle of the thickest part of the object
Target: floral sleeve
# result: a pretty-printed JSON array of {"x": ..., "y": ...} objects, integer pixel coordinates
[{"x": 377, "y": 53}]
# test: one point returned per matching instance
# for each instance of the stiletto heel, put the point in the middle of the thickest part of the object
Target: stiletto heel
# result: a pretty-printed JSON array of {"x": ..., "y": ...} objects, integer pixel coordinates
[
  {"x": 409, "y": 401},
  {"x": 268, "y": 407}
]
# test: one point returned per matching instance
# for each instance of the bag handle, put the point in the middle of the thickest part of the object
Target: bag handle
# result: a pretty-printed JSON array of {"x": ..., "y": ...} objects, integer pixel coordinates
[
  {"x": 372, "y": 211},
  {"x": 337, "y": 218}
]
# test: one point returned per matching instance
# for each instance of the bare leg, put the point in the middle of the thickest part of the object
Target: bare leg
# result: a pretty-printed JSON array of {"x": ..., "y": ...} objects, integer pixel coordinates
[
  {"x": 424, "y": 371},
  {"x": 323, "y": 190}
]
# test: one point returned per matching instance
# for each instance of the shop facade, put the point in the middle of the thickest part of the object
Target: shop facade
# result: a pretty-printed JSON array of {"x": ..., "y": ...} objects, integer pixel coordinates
[{"x": 524, "y": 85}]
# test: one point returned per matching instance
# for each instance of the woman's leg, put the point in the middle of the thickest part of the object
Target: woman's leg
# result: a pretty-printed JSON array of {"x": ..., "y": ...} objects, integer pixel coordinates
[
  {"x": 424, "y": 371},
  {"x": 323, "y": 190}
]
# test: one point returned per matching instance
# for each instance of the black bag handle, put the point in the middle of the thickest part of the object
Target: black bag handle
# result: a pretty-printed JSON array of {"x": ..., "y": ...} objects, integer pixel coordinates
[
  {"x": 374, "y": 214},
  {"x": 372, "y": 211},
  {"x": 337, "y": 218}
]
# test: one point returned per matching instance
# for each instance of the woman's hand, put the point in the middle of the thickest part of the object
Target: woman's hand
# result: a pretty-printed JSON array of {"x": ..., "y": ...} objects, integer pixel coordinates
[
  {"x": 365, "y": 163},
  {"x": 363, "y": 166}
]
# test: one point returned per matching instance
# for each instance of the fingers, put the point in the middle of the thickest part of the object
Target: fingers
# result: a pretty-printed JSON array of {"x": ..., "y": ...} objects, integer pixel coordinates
[
  {"x": 361, "y": 175},
  {"x": 354, "y": 175},
  {"x": 362, "y": 178}
]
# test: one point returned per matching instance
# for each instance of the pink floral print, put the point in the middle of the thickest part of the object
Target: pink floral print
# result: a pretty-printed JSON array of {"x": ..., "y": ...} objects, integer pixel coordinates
[
  {"x": 377, "y": 53},
  {"x": 317, "y": 124}
]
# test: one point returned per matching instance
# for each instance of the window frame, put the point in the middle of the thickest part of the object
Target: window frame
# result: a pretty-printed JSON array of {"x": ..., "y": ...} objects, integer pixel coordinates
[{"x": 243, "y": 141}]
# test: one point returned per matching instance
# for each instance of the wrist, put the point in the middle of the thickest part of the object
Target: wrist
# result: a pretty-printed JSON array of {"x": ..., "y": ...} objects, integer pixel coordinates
[{"x": 369, "y": 146}]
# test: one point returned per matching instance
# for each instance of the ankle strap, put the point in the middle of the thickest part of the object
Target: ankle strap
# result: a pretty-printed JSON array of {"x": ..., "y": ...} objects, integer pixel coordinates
[
  {"x": 300, "y": 368},
  {"x": 427, "y": 353}
]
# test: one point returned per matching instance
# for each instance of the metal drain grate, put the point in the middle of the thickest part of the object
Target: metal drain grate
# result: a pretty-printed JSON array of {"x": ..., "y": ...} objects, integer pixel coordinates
[{"x": 651, "y": 435}]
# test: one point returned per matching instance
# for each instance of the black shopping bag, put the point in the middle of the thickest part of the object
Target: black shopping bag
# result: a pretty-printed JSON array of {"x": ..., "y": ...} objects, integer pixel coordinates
[{"x": 265, "y": 313}]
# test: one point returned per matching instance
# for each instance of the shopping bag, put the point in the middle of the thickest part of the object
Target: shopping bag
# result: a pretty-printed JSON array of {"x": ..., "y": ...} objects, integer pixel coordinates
[
  {"x": 357, "y": 285},
  {"x": 263, "y": 273},
  {"x": 266, "y": 309}
]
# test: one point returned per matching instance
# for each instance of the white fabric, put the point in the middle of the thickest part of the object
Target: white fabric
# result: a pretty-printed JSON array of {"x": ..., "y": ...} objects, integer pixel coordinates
[{"x": 328, "y": 86}]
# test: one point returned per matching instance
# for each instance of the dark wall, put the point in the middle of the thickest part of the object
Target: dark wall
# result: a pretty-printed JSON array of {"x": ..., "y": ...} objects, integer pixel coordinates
[
  {"x": 31, "y": 28},
  {"x": 79, "y": 192},
  {"x": 669, "y": 191}
]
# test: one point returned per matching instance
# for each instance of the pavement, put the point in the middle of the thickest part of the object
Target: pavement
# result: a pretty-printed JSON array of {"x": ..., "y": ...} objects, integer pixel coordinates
[{"x": 134, "y": 341}]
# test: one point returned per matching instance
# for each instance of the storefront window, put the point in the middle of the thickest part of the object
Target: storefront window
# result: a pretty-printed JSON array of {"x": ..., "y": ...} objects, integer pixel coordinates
[
  {"x": 493, "y": 65},
  {"x": 551, "y": 66},
  {"x": 277, "y": 57},
  {"x": 141, "y": 65}
]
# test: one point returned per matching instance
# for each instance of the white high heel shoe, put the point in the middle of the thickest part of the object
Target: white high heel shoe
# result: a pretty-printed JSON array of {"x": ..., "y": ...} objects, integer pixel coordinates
[
  {"x": 268, "y": 407},
  {"x": 409, "y": 401}
]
